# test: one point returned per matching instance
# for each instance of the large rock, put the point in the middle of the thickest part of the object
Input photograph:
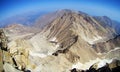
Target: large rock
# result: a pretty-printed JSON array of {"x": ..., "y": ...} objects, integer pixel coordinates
[
  {"x": 3, "y": 47},
  {"x": 1, "y": 61},
  {"x": 9, "y": 68}
]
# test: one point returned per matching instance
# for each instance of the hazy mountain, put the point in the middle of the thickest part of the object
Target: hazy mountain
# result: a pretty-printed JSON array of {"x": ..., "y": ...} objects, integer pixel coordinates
[
  {"x": 27, "y": 18},
  {"x": 64, "y": 40},
  {"x": 106, "y": 21}
]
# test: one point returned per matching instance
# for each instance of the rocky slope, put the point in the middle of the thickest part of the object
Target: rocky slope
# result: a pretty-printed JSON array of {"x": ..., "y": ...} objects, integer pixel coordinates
[
  {"x": 108, "y": 23},
  {"x": 68, "y": 40}
]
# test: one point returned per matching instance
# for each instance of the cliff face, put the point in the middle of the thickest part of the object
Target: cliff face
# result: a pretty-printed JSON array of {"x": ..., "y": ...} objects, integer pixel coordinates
[
  {"x": 1, "y": 60},
  {"x": 69, "y": 39},
  {"x": 3, "y": 49}
]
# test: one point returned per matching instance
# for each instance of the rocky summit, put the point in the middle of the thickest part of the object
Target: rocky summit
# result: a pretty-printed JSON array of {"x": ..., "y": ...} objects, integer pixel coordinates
[{"x": 62, "y": 41}]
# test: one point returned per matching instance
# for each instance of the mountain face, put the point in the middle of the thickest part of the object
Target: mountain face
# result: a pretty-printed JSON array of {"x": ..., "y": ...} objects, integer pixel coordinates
[
  {"x": 105, "y": 21},
  {"x": 64, "y": 41}
]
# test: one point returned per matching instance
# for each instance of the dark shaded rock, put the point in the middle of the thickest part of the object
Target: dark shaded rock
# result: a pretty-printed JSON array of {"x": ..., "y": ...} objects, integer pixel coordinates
[
  {"x": 14, "y": 63},
  {"x": 3, "y": 47},
  {"x": 116, "y": 69},
  {"x": 3, "y": 40},
  {"x": 92, "y": 70},
  {"x": 114, "y": 64},
  {"x": 74, "y": 70},
  {"x": 104, "y": 69},
  {"x": 65, "y": 48},
  {"x": 55, "y": 54},
  {"x": 27, "y": 71}
]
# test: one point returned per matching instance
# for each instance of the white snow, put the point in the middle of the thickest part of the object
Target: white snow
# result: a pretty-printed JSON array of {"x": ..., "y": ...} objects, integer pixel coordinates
[
  {"x": 53, "y": 39},
  {"x": 100, "y": 62},
  {"x": 11, "y": 30},
  {"x": 57, "y": 46},
  {"x": 77, "y": 65},
  {"x": 37, "y": 54},
  {"x": 103, "y": 62},
  {"x": 95, "y": 39},
  {"x": 114, "y": 49},
  {"x": 87, "y": 65},
  {"x": 9, "y": 68}
]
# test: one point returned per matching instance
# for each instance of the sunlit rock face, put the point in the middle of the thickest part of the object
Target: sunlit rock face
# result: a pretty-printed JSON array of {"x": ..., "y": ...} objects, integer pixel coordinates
[
  {"x": 68, "y": 40},
  {"x": 82, "y": 24}
]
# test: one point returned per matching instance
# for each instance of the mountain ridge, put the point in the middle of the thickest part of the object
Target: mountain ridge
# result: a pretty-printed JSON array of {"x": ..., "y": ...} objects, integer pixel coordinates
[{"x": 27, "y": 18}]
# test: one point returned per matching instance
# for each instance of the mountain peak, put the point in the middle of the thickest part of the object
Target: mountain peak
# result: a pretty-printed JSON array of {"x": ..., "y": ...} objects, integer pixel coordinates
[
  {"x": 70, "y": 11},
  {"x": 66, "y": 10}
]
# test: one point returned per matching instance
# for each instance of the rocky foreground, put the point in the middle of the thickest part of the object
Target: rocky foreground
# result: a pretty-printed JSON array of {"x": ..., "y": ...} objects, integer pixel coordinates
[{"x": 70, "y": 41}]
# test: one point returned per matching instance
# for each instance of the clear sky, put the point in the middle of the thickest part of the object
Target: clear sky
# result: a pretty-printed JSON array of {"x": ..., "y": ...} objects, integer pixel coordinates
[{"x": 110, "y": 8}]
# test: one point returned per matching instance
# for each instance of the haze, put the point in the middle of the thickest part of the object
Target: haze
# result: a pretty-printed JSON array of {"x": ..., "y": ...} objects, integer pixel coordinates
[{"x": 108, "y": 8}]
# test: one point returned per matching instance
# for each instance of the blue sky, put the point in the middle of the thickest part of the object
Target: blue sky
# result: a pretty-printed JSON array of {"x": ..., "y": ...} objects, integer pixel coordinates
[{"x": 110, "y": 8}]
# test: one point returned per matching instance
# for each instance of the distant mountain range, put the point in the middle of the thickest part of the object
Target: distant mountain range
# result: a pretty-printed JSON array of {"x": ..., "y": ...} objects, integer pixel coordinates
[
  {"x": 28, "y": 18},
  {"x": 38, "y": 17}
]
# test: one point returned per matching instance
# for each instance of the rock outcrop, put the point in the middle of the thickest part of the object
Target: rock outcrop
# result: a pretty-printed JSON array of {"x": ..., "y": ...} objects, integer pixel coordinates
[
  {"x": 10, "y": 59},
  {"x": 3, "y": 47}
]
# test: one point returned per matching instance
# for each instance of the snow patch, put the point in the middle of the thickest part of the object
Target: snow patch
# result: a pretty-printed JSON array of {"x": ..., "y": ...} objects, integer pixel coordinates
[
  {"x": 117, "y": 48},
  {"x": 92, "y": 41},
  {"x": 57, "y": 45},
  {"x": 77, "y": 65},
  {"x": 38, "y": 54},
  {"x": 87, "y": 65},
  {"x": 11, "y": 30},
  {"x": 103, "y": 62},
  {"x": 53, "y": 39},
  {"x": 97, "y": 38}
]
